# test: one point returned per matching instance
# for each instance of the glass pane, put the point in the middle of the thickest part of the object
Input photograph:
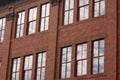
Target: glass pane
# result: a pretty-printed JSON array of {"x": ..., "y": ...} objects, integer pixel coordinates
[
  {"x": 64, "y": 55},
  {"x": 81, "y": 13},
  {"x": 4, "y": 20},
  {"x": 101, "y": 65},
  {"x": 29, "y": 75},
  {"x": 26, "y": 75},
  {"x": 66, "y": 4},
  {"x": 22, "y": 30},
  {"x": 81, "y": 2},
  {"x": 43, "y": 10},
  {"x": 18, "y": 64},
  {"x": 14, "y": 65},
  {"x": 34, "y": 27},
  {"x": 71, "y": 4},
  {"x": 34, "y": 14},
  {"x": 17, "y": 76},
  {"x": 68, "y": 70},
  {"x": 101, "y": 47},
  {"x": 71, "y": 17},
  {"x": 102, "y": 7},
  {"x": 1, "y": 24},
  {"x": 26, "y": 63},
  {"x": 44, "y": 59},
  {"x": 95, "y": 65},
  {"x": 79, "y": 52},
  {"x": 95, "y": 48},
  {"x": 39, "y": 59},
  {"x": 23, "y": 17},
  {"x": 42, "y": 24},
  {"x": 38, "y": 74},
  {"x": 63, "y": 71},
  {"x": 86, "y": 12},
  {"x": 13, "y": 76},
  {"x": 46, "y": 23},
  {"x": 69, "y": 54},
  {"x": 96, "y": 10},
  {"x": 86, "y": 2},
  {"x": 79, "y": 68},
  {"x": 30, "y": 28},
  {"x": 84, "y": 55},
  {"x": 48, "y": 9},
  {"x": 2, "y": 36},
  {"x": 84, "y": 67},
  {"x": 30, "y": 62},
  {"x": 66, "y": 18},
  {"x": 19, "y": 18},
  {"x": 43, "y": 74},
  {"x": 30, "y": 14}
]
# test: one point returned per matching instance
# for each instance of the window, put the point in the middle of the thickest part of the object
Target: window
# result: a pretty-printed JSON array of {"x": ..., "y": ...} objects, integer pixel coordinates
[
  {"x": 41, "y": 63},
  {"x": 2, "y": 29},
  {"x": 66, "y": 62},
  {"x": 99, "y": 7},
  {"x": 32, "y": 20},
  {"x": 15, "y": 69},
  {"x": 68, "y": 11},
  {"x": 83, "y": 9},
  {"x": 45, "y": 17},
  {"x": 98, "y": 56},
  {"x": 28, "y": 68},
  {"x": 82, "y": 59},
  {"x": 20, "y": 24}
]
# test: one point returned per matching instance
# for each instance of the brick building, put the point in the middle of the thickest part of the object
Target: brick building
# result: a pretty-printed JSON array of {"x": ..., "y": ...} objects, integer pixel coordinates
[{"x": 59, "y": 40}]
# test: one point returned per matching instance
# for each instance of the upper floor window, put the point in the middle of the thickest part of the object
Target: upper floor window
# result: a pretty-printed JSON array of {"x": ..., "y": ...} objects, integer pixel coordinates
[
  {"x": 28, "y": 67},
  {"x": 20, "y": 24},
  {"x": 82, "y": 59},
  {"x": 16, "y": 69},
  {"x": 83, "y": 9},
  {"x": 32, "y": 20},
  {"x": 99, "y": 7},
  {"x": 41, "y": 63},
  {"x": 45, "y": 12},
  {"x": 2, "y": 29},
  {"x": 98, "y": 56},
  {"x": 68, "y": 11},
  {"x": 66, "y": 62}
]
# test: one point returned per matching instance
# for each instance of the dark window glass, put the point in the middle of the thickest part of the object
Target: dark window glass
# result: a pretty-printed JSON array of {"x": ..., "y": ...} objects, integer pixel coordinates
[
  {"x": 15, "y": 69},
  {"x": 99, "y": 7},
  {"x": 82, "y": 59},
  {"x": 20, "y": 24},
  {"x": 2, "y": 29},
  {"x": 83, "y": 9},
  {"x": 66, "y": 62},
  {"x": 68, "y": 11},
  {"x": 32, "y": 20},
  {"x": 98, "y": 57},
  {"x": 45, "y": 12},
  {"x": 28, "y": 67},
  {"x": 41, "y": 63}
]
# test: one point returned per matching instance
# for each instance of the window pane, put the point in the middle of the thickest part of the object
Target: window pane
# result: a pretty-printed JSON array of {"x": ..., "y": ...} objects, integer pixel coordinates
[
  {"x": 71, "y": 17},
  {"x": 102, "y": 7},
  {"x": 101, "y": 47},
  {"x": 66, "y": 18},
  {"x": 69, "y": 54},
  {"x": 63, "y": 71},
  {"x": 86, "y": 12},
  {"x": 86, "y": 1},
  {"x": 96, "y": 11},
  {"x": 101, "y": 64},
  {"x": 13, "y": 76},
  {"x": 38, "y": 74},
  {"x": 84, "y": 55},
  {"x": 79, "y": 52},
  {"x": 44, "y": 59},
  {"x": 95, "y": 65},
  {"x": 95, "y": 48},
  {"x": 71, "y": 4},
  {"x": 66, "y": 4},
  {"x": 43, "y": 10},
  {"x": 64, "y": 55},
  {"x": 23, "y": 17},
  {"x": 34, "y": 13},
  {"x": 81, "y": 2},
  {"x": 46, "y": 23},
  {"x": 68, "y": 70},
  {"x": 30, "y": 14},
  {"x": 42, "y": 24},
  {"x": 84, "y": 67},
  {"x": 79, "y": 66},
  {"x": 43, "y": 74},
  {"x": 48, "y": 9},
  {"x": 81, "y": 13},
  {"x": 39, "y": 60}
]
